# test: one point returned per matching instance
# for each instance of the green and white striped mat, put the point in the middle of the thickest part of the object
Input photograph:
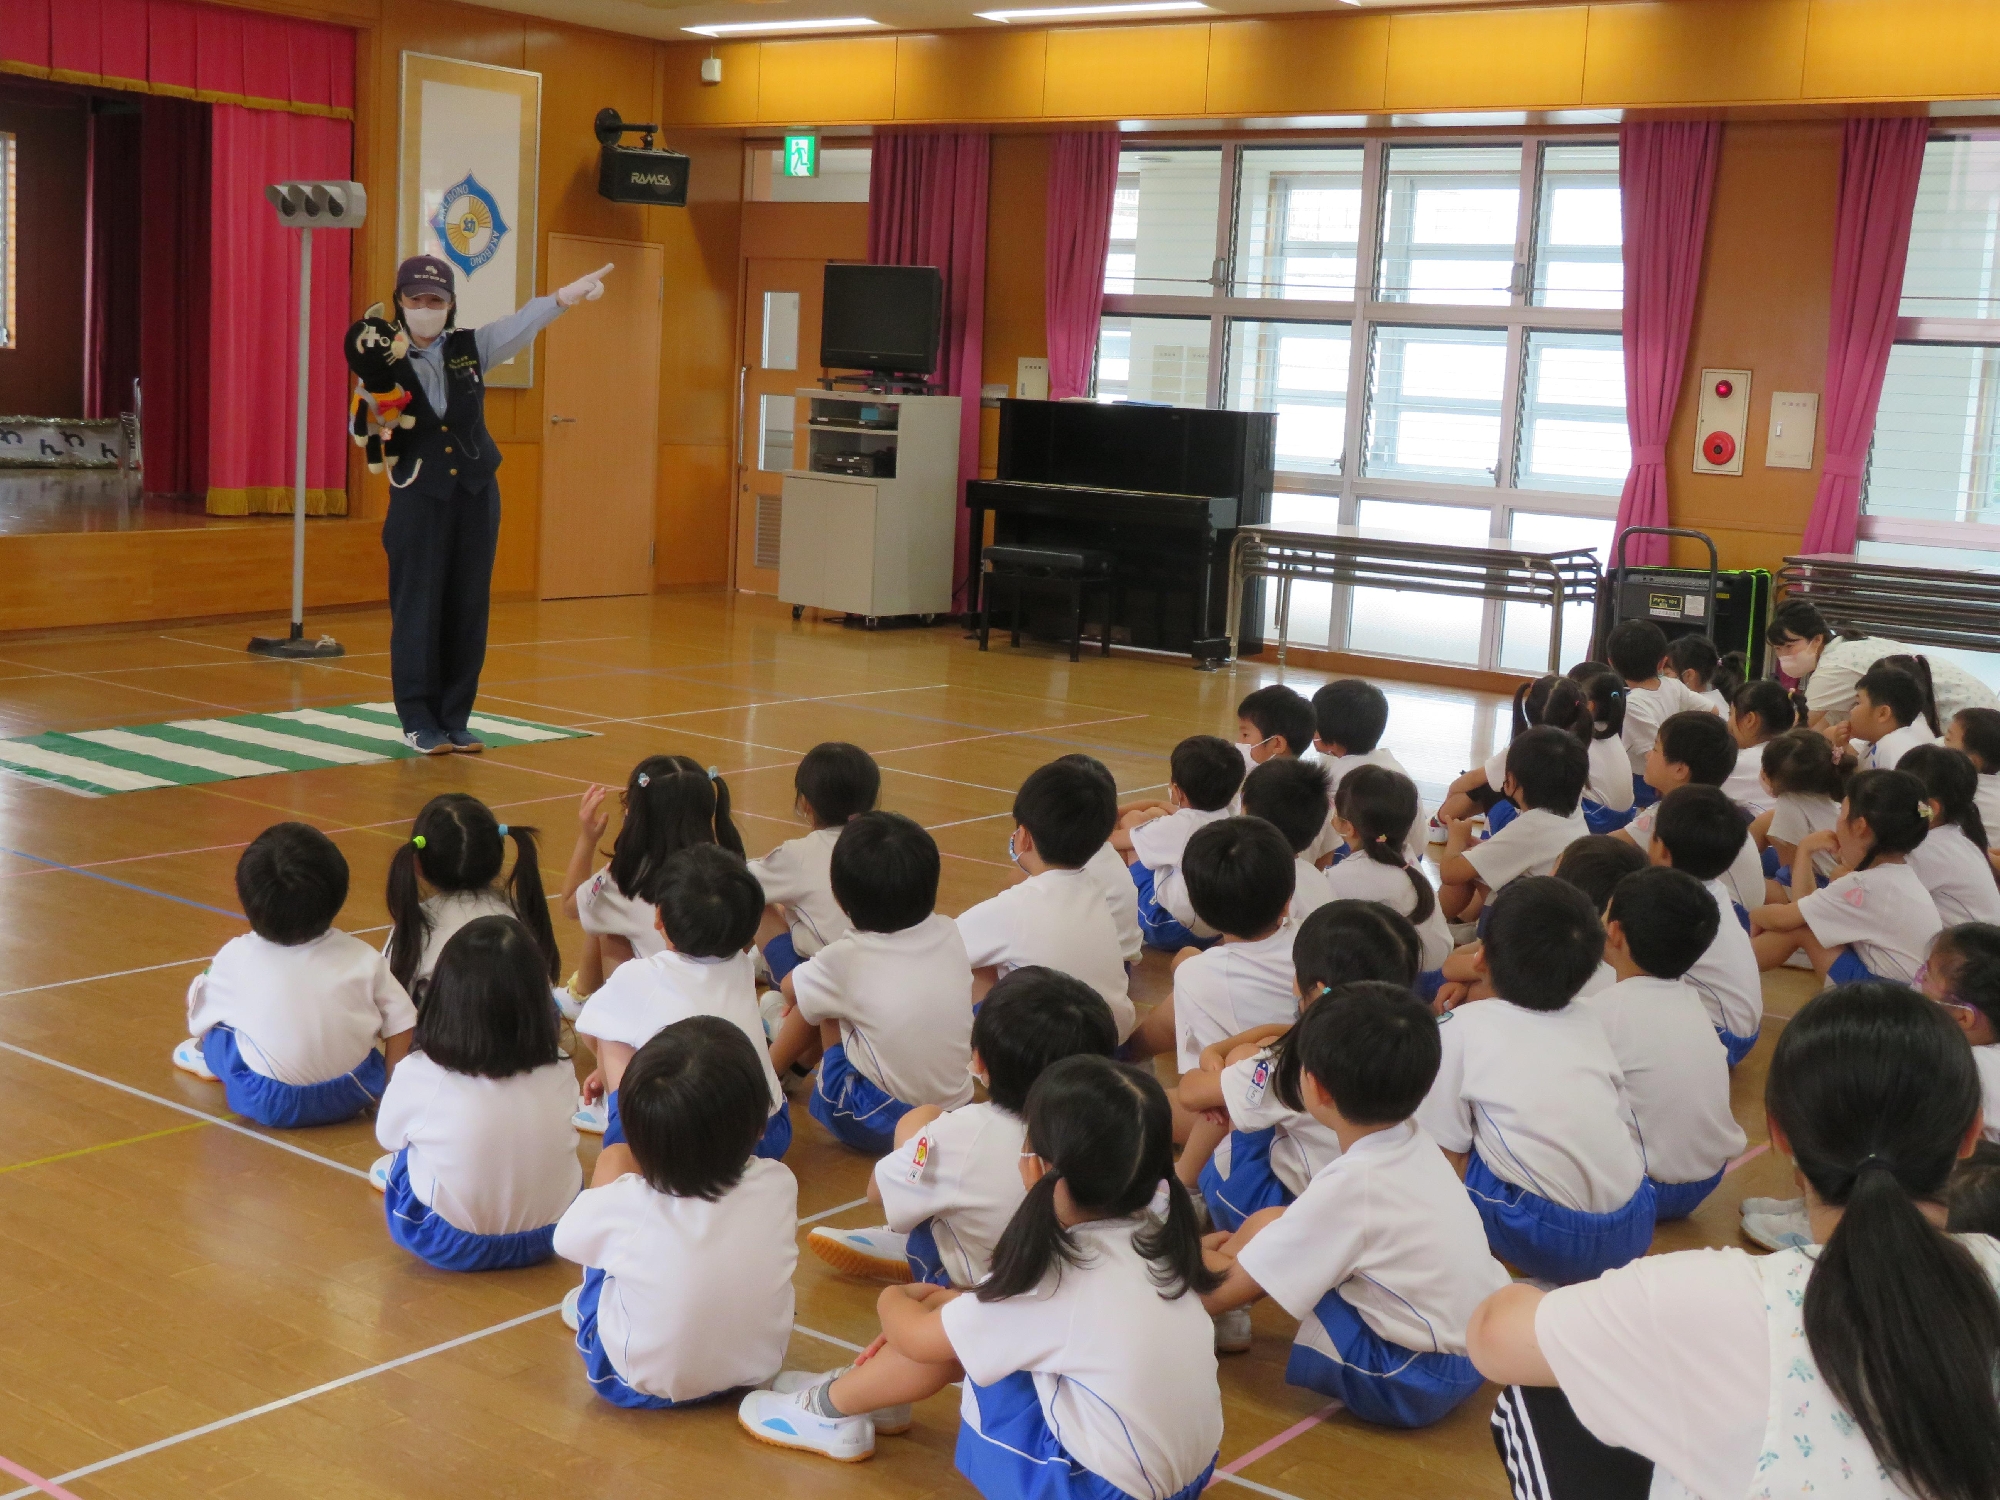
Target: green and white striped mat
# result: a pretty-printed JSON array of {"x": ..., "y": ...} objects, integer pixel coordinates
[{"x": 189, "y": 752}]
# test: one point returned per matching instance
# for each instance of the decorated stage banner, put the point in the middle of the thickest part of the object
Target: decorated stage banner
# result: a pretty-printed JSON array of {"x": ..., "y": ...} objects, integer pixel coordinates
[{"x": 470, "y": 162}]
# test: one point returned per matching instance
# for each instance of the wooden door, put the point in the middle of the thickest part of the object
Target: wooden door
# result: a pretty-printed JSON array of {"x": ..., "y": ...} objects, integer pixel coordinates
[
  {"x": 780, "y": 343},
  {"x": 601, "y": 422}
]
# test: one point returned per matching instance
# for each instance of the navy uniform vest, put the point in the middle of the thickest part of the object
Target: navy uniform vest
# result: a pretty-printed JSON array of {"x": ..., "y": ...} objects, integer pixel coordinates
[{"x": 455, "y": 448}]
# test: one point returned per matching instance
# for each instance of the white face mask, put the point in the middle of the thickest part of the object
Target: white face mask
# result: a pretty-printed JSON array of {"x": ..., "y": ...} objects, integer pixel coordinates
[
  {"x": 425, "y": 322},
  {"x": 1798, "y": 662}
]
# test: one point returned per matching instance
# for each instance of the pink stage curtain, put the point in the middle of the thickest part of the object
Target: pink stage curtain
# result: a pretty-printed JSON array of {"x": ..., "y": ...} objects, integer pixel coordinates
[
  {"x": 111, "y": 260},
  {"x": 1083, "y": 180},
  {"x": 1666, "y": 180},
  {"x": 173, "y": 296},
  {"x": 927, "y": 207},
  {"x": 213, "y": 53},
  {"x": 1880, "y": 162},
  {"x": 253, "y": 316}
]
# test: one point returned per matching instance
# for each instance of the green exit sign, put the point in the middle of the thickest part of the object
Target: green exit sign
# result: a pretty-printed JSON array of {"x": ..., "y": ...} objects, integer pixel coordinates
[{"x": 801, "y": 156}]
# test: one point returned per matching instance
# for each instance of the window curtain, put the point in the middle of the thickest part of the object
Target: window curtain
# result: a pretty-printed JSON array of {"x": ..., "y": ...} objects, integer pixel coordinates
[
  {"x": 1083, "y": 181},
  {"x": 253, "y": 316},
  {"x": 927, "y": 207},
  {"x": 111, "y": 257},
  {"x": 173, "y": 296},
  {"x": 1666, "y": 180},
  {"x": 1880, "y": 163}
]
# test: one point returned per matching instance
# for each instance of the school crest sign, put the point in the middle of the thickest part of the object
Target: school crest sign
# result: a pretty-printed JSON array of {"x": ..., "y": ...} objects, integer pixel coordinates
[{"x": 468, "y": 225}]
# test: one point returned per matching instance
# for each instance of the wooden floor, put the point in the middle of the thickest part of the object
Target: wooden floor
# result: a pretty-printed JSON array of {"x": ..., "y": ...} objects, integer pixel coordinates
[{"x": 189, "y": 1306}]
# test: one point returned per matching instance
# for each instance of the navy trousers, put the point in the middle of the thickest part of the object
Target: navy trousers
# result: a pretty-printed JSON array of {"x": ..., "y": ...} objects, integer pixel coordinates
[{"x": 440, "y": 584}]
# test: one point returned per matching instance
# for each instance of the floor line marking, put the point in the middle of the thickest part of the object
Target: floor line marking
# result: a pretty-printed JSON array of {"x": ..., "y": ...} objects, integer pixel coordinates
[
  {"x": 130, "y": 1140},
  {"x": 646, "y": 720},
  {"x": 813, "y": 1333},
  {"x": 185, "y": 1109},
  {"x": 282, "y": 1402},
  {"x": 36, "y": 1484},
  {"x": 144, "y": 890},
  {"x": 56, "y": 984},
  {"x": 1273, "y": 1444},
  {"x": 827, "y": 1213},
  {"x": 1222, "y": 1478},
  {"x": 1751, "y": 1155}
]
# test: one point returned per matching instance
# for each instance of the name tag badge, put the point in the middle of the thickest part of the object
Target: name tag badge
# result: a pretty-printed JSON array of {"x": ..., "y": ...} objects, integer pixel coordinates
[
  {"x": 923, "y": 1152},
  {"x": 1260, "y": 1081}
]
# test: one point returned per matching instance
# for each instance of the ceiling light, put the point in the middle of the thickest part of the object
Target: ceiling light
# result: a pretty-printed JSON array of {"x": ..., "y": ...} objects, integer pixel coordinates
[
  {"x": 744, "y": 28},
  {"x": 1091, "y": 12}
]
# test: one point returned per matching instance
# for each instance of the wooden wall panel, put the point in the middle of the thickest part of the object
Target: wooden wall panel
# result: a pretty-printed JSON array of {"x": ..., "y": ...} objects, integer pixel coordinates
[
  {"x": 1016, "y": 270},
  {"x": 1113, "y": 72},
  {"x": 691, "y": 544},
  {"x": 1695, "y": 51},
  {"x": 833, "y": 81},
  {"x": 1298, "y": 65},
  {"x": 1929, "y": 49},
  {"x": 1487, "y": 59},
  {"x": 690, "y": 101},
  {"x": 519, "y": 552},
  {"x": 971, "y": 75}
]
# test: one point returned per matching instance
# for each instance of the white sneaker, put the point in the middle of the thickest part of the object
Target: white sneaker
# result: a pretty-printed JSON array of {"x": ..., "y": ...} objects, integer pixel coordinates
[
  {"x": 572, "y": 1319},
  {"x": 188, "y": 1058},
  {"x": 1232, "y": 1331},
  {"x": 1772, "y": 1206},
  {"x": 591, "y": 1119},
  {"x": 1778, "y": 1231},
  {"x": 566, "y": 1000},
  {"x": 771, "y": 1009},
  {"x": 378, "y": 1173},
  {"x": 889, "y": 1420},
  {"x": 784, "y": 1422},
  {"x": 879, "y": 1254}
]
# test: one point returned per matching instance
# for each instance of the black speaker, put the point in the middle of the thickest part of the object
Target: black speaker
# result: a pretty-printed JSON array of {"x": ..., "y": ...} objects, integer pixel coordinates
[{"x": 629, "y": 174}]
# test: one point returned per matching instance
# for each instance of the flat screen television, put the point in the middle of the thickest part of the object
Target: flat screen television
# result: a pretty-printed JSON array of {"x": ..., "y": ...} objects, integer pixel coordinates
[{"x": 881, "y": 318}]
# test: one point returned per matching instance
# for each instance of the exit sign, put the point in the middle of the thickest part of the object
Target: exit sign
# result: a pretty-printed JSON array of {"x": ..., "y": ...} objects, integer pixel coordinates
[{"x": 801, "y": 156}]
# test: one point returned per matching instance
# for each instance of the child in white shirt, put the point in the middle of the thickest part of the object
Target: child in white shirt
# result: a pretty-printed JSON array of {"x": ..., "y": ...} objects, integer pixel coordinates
[
  {"x": 1351, "y": 717},
  {"x": 1101, "y": 1369},
  {"x": 689, "y": 1239},
  {"x": 888, "y": 1005},
  {"x": 835, "y": 781},
  {"x": 1951, "y": 861},
  {"x": 1759, "y": 713},
  {"x": 287, "y": 1016},
  {"x": 1063, "y": 814},
  {"x": 708, "y": 910},
  {"x": 1963, "y": 975},
  {"x": 1382, "y": 1259},
  {"x": 455, "y": 851},
  {"x": 1695, "y": 748},
  {"x": 1892, "y": 715},
  {"x": 1546, "y": 771},
  {"x": 1530, "y": 1100},
  {"x": 1659, "y": 923},
  {"x": 1291, "y": 795},
  {"x": 482, "y": 1156},
  {"x": 1703, "y": 671},
  {"x": 1638, "y": 651},
  {"x": 954, "y": 1179},
  {"x": 1806, "y": 777},
  {"x": 1375, "y": 809},
  {"x": 1699, "y": 832},
  {"x": 1151, "y": 836},
  {"x": 1107, "y": 868},
  {"x": 1877, "y": 920},
  {"x": 1589, "y": 703},
  {"x": 670, "y": 802},
  {"x": 1273, "y": 722},
  {"x": 1976, "y": 731}
]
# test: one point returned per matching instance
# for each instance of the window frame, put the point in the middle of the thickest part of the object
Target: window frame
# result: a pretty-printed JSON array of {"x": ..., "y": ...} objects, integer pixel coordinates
[{"x": 1367, "y": 311}]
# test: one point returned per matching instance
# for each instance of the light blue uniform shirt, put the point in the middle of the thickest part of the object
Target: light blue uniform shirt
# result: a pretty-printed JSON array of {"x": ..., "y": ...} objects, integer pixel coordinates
[{"x": 498, "y": 341}]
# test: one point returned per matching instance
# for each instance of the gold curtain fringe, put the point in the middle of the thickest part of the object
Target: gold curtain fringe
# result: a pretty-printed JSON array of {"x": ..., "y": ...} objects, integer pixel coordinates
[
  {"x": 172, "y": 90},
  {"x": 274, "y": 500}
]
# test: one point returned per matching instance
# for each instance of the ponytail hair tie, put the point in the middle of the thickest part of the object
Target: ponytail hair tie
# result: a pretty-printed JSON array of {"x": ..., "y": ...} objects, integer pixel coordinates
[
  {"x": 1162, "y": 1198},
  {"x": 1872, "y": 1159},
  {"x": 418, "y": 841},
  {"x": 503, "y": 830},
  {"x": 714, "y": 774},
  {"x": 645, "y": 780}
]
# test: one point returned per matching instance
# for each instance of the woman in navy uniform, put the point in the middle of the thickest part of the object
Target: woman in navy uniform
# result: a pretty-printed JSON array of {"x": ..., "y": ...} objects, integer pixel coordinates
[{"x": 444, "y": 514}]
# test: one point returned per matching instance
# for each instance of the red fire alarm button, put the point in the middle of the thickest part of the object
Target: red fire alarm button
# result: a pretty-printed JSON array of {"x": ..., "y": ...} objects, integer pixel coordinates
[
  {"x": 1724, "y": 389},
  {"x": 1718, "y": 448}
]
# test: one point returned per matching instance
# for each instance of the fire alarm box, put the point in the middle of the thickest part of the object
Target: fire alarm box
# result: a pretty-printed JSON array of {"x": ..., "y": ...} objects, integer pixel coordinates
[{"x": 1722, "y": 417}]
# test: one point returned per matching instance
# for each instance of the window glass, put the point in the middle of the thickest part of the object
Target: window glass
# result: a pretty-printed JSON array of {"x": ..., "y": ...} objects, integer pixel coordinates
[
  {"x": 1392, "y": 622},
  {"x": 781, "y": 331},
  {"x": 1153, "y": 359},
  {"x": 1954, "y": 265},
  {"x": 1298, "y": 223},
  {"x": 1311, "y": 620},
  {"x": 1435, "y": 397},
  {"x": 1524, "y": 628},
  {"x": 774, "y": 431},
  {"x": 1579, "y": 229},
  {"x": 1299, "y": 371},
  {"x": 1573, "y": 433},
  {"x": 1163, "y": 223},
  {"x": 1452, "y": 220},
  {"x": 1937, "y": 450}
]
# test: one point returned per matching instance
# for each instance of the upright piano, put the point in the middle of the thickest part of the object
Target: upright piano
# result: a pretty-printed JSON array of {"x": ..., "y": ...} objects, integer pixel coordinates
[{"x": 1161, "y": 488}]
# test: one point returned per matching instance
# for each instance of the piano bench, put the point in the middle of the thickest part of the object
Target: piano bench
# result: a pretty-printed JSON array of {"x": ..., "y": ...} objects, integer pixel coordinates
[{"x": 1070, "y": 570}]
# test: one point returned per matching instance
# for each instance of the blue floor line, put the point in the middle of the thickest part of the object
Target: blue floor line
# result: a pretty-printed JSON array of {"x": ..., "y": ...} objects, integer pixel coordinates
[{"x": 144, "y": 890}]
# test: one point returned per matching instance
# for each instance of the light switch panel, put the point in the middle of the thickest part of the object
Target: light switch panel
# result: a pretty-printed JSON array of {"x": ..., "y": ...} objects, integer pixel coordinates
[
  {"x": 1794, "y": 426},
  {"x": 1031, "y": 379}
]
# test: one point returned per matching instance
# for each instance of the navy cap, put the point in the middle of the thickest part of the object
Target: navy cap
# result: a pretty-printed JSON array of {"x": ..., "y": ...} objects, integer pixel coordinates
[{"x": 424, "y": 273}]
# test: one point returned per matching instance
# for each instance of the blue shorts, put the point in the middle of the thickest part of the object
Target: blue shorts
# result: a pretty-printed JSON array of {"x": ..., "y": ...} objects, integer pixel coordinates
[
  {"x": 1642, "y": 794},
  {"x": 1012, "y": 1455},
  {"x": 285, "y": 1106},
  {"x": 854, "y": 1109},
  {"x": 427, "y": 1235},
  {"x": 1558, "y": 1244},
  {"x": 1738, "y": 1047},
  {"x": 1339, "y": 1355},
  {"x": 781, "y": 957},
  {"x": 1772, "y": 865},
  {"x": 1428, "y": 984},
  {"x": 603, "y": 1375},
  {"x": 1238, "y": 1181},
  {"x": 922, "y": 1253},
  {"x": 1742, "y": 914},
  {"x": 1499, "y": 815},
  {"x": 1602, "y": 819},
  {"x": 1847, "y": 969},
  {"x": 1676, "y": 1200},
  {"x": 773, "y": 1144},
  {"x": 1158, "y": 927}
]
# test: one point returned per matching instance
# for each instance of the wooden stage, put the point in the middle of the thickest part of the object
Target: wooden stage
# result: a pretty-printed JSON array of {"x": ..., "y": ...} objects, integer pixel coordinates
[{"x": 192, "y": 1307}]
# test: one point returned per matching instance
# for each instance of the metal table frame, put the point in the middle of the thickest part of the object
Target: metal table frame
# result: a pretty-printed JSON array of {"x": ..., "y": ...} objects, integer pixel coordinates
[
  {"x": 1953, "y": 607},
  {"x": 1508, "y": 574}
]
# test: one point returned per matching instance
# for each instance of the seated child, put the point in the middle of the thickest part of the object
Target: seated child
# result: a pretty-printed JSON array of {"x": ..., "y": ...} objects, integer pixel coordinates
[
  {"x": 688, "y": 1238},
  {"x": 1976, "y": 731},
  {"x": 1889, "y": 718},
  {"x": 1699, "y": 832},
  {"x": 1963, "y": 975},
  {"x": 288, "y": 1015},
  {"x": 1696, "y": 749},
  {"x": 1273, "y": 721},
  {"x": 1951, "y": 861},
  {"x": 1206, "y": 773},
  {"x": 1590, "y": 704},
  {"x": 1546, "y": 770},
  {"x": 1595, "y": 866},
  {"x": 1876, "y": 920},
  {"x": 455, "y": 850},
  {"x": 708, "y": 903},
  {"x": 483, "y": 1159},
  {"x": 1239, "y": 874},
  {"x": 1375, "y": 809},
  {"x": 1759, "y": 713},
  {"x": 1088, "y": 1360},
  {"x": 1382, "y": 1259},
  {"x": 1351, "y": 717},
  {"x": 1638, "y": 650},
  {"x": 1063, "y": 813},
  {"x": 1807, "y": 778},
  {"x": 1676, "y": 1072},
  {"x": 1705, "y": 672},
  {"x": 954, "y": 1179},
  {"x": 1107, "y": 868},
  {"x": 670, "y": 802},
  {"x": 888, "y": 1004},
  {"x": 1530, "y": 1102},
  {"x": 835, "y": 781},
  {"x": 1291, "y": 796}
]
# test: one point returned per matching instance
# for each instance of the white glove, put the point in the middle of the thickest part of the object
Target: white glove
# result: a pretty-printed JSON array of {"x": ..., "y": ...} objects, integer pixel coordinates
[{"x": 585, "y": 288}]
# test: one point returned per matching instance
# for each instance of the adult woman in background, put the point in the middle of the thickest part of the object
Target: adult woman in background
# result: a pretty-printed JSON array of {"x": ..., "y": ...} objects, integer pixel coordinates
[{"x": 1827, "y": 665}]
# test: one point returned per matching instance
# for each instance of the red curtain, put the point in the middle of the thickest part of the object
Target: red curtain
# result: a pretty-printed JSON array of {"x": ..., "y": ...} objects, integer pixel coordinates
[
  {"x": 1880, "y": 163},
  {"x": 1666, "y": 178},
  {"x": 1083, "y": 180},
  {"x": 253, "y": 316},
  {"x": 173, "y": 295},
  {"x": 927, "y": 207},
  {"x": 111, "y": 259}
]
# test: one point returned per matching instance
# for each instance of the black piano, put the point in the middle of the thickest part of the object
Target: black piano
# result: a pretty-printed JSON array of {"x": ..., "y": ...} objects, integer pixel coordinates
[{"x": 1161, "y": 488}]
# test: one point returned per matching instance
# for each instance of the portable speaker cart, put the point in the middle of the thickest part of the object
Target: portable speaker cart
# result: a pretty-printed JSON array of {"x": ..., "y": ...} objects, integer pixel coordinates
[{"x": 1731, "y": 608}]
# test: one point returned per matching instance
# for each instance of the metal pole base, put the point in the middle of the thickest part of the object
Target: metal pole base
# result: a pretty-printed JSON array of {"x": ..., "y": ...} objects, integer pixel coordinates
[{"x": 295, "y": 647}]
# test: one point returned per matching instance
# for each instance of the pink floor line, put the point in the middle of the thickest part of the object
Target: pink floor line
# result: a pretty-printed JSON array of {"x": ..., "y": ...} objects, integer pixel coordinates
[
  {"x": 1272, "y": 1445},
  {"x": 28, "y": 1476},
  {"x": 1751, "y": 1155}
]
